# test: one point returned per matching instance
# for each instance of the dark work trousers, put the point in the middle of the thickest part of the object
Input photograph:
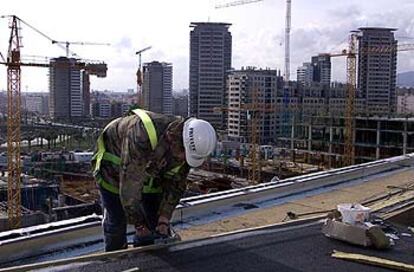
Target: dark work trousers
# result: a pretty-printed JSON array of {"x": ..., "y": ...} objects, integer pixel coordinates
[{"x": 114, "y": 222}]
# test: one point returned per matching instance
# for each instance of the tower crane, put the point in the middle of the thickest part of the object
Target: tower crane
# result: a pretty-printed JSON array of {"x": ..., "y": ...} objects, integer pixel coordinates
[
  {"x": 13, "y": 125},
  {"x": 349, "y": 150},
  {"x": 63, "y": 44},
  {"x": 236, "y": 3},
  {"x": 254, "y": 173},
  {"x": 286, "y": 74},
  {"x": 253, "y": 110},
  {"x": 286, "y": 94},
  {"x": 287, "y": 38},
  {"x": 67, "y": 44},
  {"x": 139, "y": 76},
  {"x": 288, "y": 19},
  {"x": 14, "y": 63},
  {"x": 351, "y": 74}
]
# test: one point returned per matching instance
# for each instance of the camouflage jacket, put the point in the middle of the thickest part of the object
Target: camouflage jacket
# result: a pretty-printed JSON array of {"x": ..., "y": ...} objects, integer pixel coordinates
[{"x": 127, "y": 138}]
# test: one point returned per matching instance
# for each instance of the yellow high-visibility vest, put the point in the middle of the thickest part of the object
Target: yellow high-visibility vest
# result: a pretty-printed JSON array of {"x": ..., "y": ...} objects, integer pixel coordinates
[{"x": 102, "y": 154}]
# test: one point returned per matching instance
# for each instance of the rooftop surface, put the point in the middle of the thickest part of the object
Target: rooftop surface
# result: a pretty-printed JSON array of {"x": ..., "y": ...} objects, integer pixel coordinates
[
  {"x": 256, "y": 217},
  {"x": 300, "y": 247},
  {"x": 367, "y": 186},
  {"x": 194, "y": 24},
  {"x": 379, "y": 28}
]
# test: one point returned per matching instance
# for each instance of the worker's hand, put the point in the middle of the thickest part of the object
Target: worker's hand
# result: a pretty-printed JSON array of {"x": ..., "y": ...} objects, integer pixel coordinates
[
  {"x": 142, "y": 231},
  {"x": 163, "y": 225}
]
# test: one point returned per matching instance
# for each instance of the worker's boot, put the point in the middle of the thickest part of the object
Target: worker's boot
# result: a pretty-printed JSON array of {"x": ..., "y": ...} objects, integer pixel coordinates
[
  {"x": 167, "y": 239},
  {"x": 140, "y": 241},
  {"x": 143, "y": 236}
]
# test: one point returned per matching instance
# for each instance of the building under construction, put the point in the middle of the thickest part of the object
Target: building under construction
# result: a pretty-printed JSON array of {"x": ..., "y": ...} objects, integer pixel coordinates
[
  {"x": 322, "y": 140},
  {"x": 244, "y": 88}
]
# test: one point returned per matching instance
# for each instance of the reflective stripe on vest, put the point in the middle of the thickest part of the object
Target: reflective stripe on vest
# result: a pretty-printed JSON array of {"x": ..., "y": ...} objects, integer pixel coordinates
[
  {"x": 149, "y": 126},
  {"x": 106, "y": 185},
  {"x": 101, "y": 154},
  {"x": 149, "y": 187}
]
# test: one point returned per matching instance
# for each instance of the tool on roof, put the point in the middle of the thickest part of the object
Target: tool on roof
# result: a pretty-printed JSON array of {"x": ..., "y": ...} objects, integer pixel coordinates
[{"x": 372, "y": 260}]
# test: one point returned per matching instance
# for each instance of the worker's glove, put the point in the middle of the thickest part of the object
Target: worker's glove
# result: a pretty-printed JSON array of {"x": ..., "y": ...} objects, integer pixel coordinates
[
  {"x": 157, "y": 162},
  {"x": 163, "y": 226},
  {"x": 142, "y": 230}
]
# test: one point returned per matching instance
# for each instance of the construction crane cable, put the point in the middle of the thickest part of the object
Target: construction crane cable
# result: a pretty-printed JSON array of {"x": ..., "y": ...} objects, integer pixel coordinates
[
  {"x": 40, "y": 32},
  {"x": 80, "y": 43},
  {"x": 236, "y": 3},
  {"x": 13, "y": 63}
]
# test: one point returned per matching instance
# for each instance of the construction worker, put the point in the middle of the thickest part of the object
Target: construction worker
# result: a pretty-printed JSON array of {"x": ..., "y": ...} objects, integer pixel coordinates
[{"x": 140, "y": 165}]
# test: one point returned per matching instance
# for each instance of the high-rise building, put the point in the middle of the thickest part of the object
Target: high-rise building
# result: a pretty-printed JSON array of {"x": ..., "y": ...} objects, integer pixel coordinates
[
  {"x": 157, "y": 87},
  {"x": 102, "y": 109},
  {"x": 405, "y": 101},
  {"x": 305, "y": 74},
  {"x": 65, "y": 86},
  {"x": 36, "y": 102},
  {"x": 180, "y": 105},
  {"x": 318, "y": 70},
  {"x": 119, "y": 109},
  {"x": 377, "y": 70},
  {"x": 86, "y": 93},
  {"x": 321, "y": 69},
  {"x": 3, "y": 102},
  {"x": 248, "y": 87},
  {"x": 210, "y": 59}
]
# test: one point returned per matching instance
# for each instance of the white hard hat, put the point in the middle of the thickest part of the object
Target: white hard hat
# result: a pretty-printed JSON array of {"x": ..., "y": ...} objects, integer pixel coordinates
[{"x": 199, "y": 139}]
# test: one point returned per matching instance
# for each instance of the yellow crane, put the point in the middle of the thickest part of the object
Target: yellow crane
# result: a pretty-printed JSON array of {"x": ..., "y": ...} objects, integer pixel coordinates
[
  {"x": 13, "y": 125},
  {"x": 351, "y": 64},
  {"x": 14, "y": 63},
  {"x": 351, "y": 75},
  {"x": 236, "y": 3},
  {"x": 288, "y": 21},
  {"x": 349, "y": 149},
  {"x": 253, "y": 111},
  {"x": 139, "y": 76},
  {"x": 67, "y": 44},
  {"x": 255, "y": 108}
]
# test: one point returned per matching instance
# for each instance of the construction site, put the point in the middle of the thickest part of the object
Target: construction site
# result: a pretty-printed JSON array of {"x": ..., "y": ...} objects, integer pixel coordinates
[{"x": 304, "y": 177}]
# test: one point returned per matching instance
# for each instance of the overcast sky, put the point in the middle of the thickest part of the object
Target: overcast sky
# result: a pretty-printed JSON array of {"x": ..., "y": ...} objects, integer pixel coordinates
[{"x": 258, "y": 33}]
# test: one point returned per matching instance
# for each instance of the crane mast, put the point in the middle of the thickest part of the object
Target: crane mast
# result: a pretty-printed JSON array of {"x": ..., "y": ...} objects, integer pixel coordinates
[
  {"x": 287, "y": 39},
  {"x": 351, "y": 74},
  {"x": 349, "y": 151},
  {"x": 140, "y": 94},
  {"x": 14, "y": 64},
  {"x": 13, "y": 125},
  {"x": 254, "y": 154}
]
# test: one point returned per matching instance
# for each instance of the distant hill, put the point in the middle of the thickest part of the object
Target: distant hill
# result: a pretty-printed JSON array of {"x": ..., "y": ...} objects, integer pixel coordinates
[{"x": 405, "y": 79}]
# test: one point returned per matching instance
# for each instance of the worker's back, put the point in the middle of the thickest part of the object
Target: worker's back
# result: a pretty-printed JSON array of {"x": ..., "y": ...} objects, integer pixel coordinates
[{"x": 132, "y": 127}]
